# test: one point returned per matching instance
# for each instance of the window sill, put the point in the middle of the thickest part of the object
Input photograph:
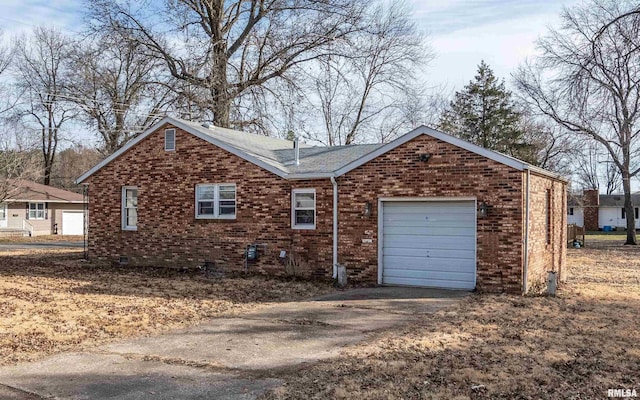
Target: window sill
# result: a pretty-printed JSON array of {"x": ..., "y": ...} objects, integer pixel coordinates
[
  {"x": 304, "y": 227},
  {"x": 130, "y": 229}
]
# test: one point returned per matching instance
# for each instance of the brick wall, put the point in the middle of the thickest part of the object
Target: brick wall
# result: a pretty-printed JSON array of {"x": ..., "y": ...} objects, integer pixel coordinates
[
  {"x": 591, "y": 207},
  {"x": 168, "y": 232},
  {"x": 547, "y": 235},
  {"x": 450, "y": 172}
]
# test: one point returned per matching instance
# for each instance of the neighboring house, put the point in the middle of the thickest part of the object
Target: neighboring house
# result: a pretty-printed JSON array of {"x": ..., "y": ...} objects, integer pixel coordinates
[
  {"x": 35, "y": 209},
  {"x": 594, "y": 211},
  {"x": 427, "y": 209}
]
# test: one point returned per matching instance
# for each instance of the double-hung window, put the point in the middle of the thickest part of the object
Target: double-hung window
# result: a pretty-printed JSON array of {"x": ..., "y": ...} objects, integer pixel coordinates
[
  {"x": 129, "y": 208},
  {"x": 37, "y": 211},
  {"x": 303, "y": 209},
  {"x": 216, "y": 201},
  {"x": 170, "y": 140}
]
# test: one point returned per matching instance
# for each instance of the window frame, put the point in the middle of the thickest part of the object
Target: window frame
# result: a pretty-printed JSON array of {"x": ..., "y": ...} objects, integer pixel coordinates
[
  {"x": 635, "y": 210},
  {"x": 173, "y": 131},
  {"x": 294, "y": 225},
  {"x": 36, "y": 210},
  {"x": 216, "y": 202},
  {"x": 571, "y": 212},
  {"x": 124, "y": 208}
]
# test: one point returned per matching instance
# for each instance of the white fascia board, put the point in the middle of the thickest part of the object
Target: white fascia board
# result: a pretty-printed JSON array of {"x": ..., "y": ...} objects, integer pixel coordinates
[
  {"x": 548, "y": 174},
  {"x": 189, "y": 129},
  {"x": 423, "y": 130}
]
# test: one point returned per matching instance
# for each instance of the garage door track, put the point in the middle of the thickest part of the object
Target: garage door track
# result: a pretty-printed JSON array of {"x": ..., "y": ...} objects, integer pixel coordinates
[{"x": 225, "y": 358}]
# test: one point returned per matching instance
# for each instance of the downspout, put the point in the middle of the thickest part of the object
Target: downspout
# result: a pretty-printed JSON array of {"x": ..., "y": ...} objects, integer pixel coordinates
[
  {"x": 525, "y": 267},
  {"x": 335, "y": 227}
]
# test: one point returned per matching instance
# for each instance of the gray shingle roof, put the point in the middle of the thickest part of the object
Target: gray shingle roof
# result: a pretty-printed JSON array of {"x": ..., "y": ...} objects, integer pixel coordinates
[
  {"x": 280, "y": 154},
  {"x": 617, "y": 200}
]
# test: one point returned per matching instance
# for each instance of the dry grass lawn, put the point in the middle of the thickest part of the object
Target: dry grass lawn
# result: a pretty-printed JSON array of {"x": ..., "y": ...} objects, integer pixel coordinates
[
  {"x": 51, "y": 301},
  {"x": 576, "y": 345}
]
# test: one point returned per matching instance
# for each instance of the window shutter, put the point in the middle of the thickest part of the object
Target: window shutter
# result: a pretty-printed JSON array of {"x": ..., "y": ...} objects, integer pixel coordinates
[
  {"x": 27, "y": 211},
  {"x": 46, "y": 210}
]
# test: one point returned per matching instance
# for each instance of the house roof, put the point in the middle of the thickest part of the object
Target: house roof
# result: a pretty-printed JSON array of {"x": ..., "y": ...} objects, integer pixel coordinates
[
  {"x": 278, "y": 156},
  {"x": 32, "y": 191},
  {"x": 617, "y": 200}
]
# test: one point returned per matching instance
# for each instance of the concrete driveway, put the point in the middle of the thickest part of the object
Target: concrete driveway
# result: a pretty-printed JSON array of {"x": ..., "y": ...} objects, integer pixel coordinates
[{"x": 226, "y": 358}]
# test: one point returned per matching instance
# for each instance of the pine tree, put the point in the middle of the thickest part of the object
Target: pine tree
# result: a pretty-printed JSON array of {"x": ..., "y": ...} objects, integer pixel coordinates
[{"x": 483, "y": 113}]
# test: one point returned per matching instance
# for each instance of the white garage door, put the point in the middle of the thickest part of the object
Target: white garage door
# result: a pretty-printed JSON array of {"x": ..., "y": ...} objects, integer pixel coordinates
[
  {"x": 429, "y": 243},
  {"x": 72, "y": 223}
]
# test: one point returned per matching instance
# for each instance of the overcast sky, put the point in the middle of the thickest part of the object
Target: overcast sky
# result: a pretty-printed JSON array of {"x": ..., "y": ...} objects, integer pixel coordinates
[{"x": 461, "y": 32}]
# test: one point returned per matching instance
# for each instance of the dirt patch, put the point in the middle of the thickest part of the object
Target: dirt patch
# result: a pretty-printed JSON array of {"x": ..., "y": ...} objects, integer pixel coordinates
[
  {"x": 52, "y": 301},
  {"x": 576, "y": 345}
]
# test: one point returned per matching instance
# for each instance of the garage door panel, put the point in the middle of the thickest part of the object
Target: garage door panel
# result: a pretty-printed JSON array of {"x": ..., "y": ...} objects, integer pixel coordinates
[
  {"x": 463, "y": 285},
  {"x": 403, "y": 242},
  {"x": 428, "y": 220},
  {"x": 469, "y": 252},
  {"x": 429, "y": 230},
  {"x": 430, "y": 243},
  {"x": 439, "y": 275}
]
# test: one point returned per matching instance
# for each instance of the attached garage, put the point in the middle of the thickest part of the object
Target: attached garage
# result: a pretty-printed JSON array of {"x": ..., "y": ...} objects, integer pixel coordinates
[
  {"x": 72, "y": 223},
  {"x": 428, "y": 242}
]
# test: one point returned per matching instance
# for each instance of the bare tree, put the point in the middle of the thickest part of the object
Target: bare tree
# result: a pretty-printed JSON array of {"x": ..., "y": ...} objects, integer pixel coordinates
[
  {"x": 119, "y": 89},
  {"x": 42, "y": 76},
  {"x": 6, "y": 55},
  {"x": 587, "y": 79},
  {"x": 18, "y": 160},
  {"x": 222, "y": 49}
]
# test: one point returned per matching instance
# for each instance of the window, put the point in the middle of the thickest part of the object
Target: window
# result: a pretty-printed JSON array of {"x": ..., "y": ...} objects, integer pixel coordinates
[
  {"x": 624, "y": 213},
  {"x": 36, "y": 211},
  {"x": 170, "y": 140},
  {"x": 3, "y": 212},
  {"x": 303, "y": 209},
  {"x": 216, "y": 201},
  {"x": 570, "y": 212},
  {"x": 129, "y": 208},
  {"x": 548, "y": 215}
]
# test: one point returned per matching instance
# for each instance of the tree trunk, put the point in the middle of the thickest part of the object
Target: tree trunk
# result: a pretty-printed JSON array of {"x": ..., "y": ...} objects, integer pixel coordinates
[{"x": 629, "y": 210}]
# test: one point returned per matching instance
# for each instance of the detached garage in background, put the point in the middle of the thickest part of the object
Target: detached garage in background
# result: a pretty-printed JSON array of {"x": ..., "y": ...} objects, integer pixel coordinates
[
  {"x": 34, "y": 209},
  {"x": 426, "y": 209}
]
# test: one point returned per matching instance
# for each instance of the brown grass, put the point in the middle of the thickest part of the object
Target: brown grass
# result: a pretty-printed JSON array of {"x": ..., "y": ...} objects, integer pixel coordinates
[
  {"x": 40, "y": 239},
  {"x": 51, "y": 301},
  {"x": 576, "y": 345}
]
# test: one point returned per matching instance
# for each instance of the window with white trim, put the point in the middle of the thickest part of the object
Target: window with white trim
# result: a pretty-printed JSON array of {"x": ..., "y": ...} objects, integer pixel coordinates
[
  {"x": 129, "y": 208},
  {"x": 37, "y": 210},
  {"x": 3, "y": 211},
  {"x": 216, "y": 201},
  {"x": 303, "y": 209},
  {"x": 170, "y": 140}
]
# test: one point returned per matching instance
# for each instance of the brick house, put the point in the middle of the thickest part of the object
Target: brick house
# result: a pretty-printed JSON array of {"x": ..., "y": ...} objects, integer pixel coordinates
[{"x": 427, "y": 209}]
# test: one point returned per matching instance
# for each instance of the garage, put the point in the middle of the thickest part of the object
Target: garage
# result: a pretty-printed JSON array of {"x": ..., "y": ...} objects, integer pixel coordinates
[
  {"x": 72, "y": 223},
  {"x": 428, "y": 243}
]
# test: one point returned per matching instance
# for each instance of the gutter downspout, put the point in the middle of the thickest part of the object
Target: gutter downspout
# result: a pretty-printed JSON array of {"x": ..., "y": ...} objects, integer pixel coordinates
[
  {"x": 525, "y": 268},
  {"x": 335, "y": 227}
]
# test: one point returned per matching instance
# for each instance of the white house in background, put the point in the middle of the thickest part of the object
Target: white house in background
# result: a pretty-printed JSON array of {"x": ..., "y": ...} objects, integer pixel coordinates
[
  {"x": 581, "y": 210},
  {"x": 35, "y": 209}
]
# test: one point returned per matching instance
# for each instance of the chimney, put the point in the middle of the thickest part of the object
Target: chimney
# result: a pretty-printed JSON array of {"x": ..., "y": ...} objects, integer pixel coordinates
[
  {"x": 296, "y": 148},
  {"x": 591, "y": 203}
]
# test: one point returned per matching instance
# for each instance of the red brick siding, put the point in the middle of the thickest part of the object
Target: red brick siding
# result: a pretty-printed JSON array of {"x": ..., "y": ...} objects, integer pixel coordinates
[
  {"x": 168, "y": 232},
  {"x": 544, "y": 256},
  {"x": 450, "y": 172}
]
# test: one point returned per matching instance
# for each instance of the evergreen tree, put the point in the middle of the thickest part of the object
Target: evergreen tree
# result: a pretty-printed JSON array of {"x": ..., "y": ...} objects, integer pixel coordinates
[{"x": 483, "y": 113}]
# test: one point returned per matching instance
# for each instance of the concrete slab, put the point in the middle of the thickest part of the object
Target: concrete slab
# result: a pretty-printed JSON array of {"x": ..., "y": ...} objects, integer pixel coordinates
[
  {"x": 105, "y": 376},
  {"x": 245, "y": 343}
]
